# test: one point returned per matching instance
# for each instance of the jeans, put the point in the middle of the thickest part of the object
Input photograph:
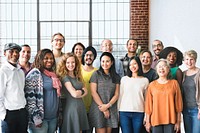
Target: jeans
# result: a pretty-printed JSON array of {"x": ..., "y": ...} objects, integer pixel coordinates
[
  {"x": 191, "y": 122},
  {"x": 48, "y": 126},
  {"x": 4, "y": 127},
  {"x": 131, "y": 122}
]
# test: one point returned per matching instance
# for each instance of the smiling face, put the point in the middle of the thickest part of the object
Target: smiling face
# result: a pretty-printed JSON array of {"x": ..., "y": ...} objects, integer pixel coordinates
[
  {"x": 58, "y": 42},
  {"x": 162, "y": 69},
  {"x": 48, "y": 61},
  {"x": 157, "y": 47},
  {"x": 190, "y": 62},
  {"x": 172, "y": 57},
  {"x": 25, "y": 54},
  {"x": 70, "y": 64},
  {"x": 12, "y": 55},
  {"x": 89, "y": 58},
  {"x": 106, "y": 63},
  {"x": 146, "y": 59},
  {"x": 78, "y": 51},
  {"x": 133, "y": 66},
  {"x": 132, "y": 46},
  {"x": 107, "y": 46}
]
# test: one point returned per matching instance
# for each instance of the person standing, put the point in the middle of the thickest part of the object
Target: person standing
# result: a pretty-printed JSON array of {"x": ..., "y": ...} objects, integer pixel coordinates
[
  {"x": 104, "y": 85},
  {"x": 175, "y": 58},
  {"x": 57, "y": 42},
  {"x": 13, "y": 114},
  {"x": 24, "y": 57},
  {"x": 157, "y": 47},
  {"x": 78, "y": 49},
  {"x": 146, "y": 60},
  {"x": 42, "y": 88},
  {"x": 107, "y": 46},
  {"x": 87, "y": 69},
  {"x": 75, "y": 117},
  {"x": 163, "y": 105},
  {"x": 131, "y": 98},
  {"x": 131, "y": 46},
  {"x": 191, "y": 93}
]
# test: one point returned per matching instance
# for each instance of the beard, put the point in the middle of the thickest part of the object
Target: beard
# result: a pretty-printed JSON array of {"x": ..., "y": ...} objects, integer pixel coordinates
[{"x": 89, "y": 63}]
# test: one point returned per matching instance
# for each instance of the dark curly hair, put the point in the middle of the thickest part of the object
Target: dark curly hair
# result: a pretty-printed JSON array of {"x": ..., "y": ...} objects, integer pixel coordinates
[
  {"x": 38, "y": 62},
  {"x": 167, "y": 50}
]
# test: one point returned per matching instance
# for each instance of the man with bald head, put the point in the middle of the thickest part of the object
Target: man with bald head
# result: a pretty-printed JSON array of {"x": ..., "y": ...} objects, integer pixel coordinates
[{"x": 107, "y": 46}]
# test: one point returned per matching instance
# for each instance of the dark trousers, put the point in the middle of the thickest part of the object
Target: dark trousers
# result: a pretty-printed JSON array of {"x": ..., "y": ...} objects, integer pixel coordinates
[
  {"x": 17, "y": 121},
  {"x": 115, "y": 130}
]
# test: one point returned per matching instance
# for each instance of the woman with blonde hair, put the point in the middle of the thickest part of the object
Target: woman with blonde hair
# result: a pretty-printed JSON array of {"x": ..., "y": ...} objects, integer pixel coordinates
[
  {"x": 75, "y": 116},
  {"x": 191, "y": 93}
]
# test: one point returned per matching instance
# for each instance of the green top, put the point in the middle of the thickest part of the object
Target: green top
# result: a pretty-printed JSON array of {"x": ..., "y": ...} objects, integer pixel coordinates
[{"x": 173, "y": 72}]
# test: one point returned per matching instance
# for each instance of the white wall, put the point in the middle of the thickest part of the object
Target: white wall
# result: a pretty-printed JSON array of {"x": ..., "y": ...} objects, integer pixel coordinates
[{"x": 176, "y": 23}]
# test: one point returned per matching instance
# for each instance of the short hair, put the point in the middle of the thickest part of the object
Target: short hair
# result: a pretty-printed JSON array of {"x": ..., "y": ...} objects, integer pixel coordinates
[
  {"x": 143, "y": 51},
  {"x": 133, "y": 40},
  {"x": 78, "y": 43},
  {"x": 192, "y": 54},
  {"x": 159, "y": 41},
  {"x": 58, "y": 33},
  {"x": 169, "y": 76},
  {"x": 25, "y": 45}
]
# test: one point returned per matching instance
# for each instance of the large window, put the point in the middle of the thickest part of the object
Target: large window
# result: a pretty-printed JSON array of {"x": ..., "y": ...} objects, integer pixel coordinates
[{"x": 88, "y": 21}]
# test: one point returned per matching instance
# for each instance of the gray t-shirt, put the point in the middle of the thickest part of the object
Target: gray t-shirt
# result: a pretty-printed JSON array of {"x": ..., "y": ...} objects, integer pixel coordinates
[{"x": 189, "y": 92}]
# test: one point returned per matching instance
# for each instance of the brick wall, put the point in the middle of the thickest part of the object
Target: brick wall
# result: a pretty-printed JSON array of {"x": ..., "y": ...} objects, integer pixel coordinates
[{"x": 139, "y": 21}]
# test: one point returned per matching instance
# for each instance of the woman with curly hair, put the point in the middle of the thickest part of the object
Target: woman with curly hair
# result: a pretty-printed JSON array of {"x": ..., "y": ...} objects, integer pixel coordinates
[
  {"x": 75, "y": 116},
  {"x": 42, "y": 91},
  {"x": 175, "y": 58}
]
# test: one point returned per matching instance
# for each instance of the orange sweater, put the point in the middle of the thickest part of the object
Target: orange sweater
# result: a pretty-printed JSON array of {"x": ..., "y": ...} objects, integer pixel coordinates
[{"x": 163, "y": 102}]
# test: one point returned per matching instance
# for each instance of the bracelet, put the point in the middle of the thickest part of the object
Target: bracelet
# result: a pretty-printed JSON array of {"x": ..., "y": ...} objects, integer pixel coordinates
[{"x": 82, "y": 91}]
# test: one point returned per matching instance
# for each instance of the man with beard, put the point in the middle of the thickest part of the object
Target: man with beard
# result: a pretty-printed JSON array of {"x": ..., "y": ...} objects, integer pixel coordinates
[
  {"x": 157, "y": 47},
  {"x": 89, "y": 55},
  {"x": 131, "y": 46}
]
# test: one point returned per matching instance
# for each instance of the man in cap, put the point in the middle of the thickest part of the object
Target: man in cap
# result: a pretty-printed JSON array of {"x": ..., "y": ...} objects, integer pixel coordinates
[
  {"x": 89, "y": 55},
  {"x": 13, "y": 114}
]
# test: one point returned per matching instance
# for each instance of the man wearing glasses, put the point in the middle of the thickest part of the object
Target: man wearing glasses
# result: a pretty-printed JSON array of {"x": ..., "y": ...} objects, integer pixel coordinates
[{"x": 157, "y": 47}]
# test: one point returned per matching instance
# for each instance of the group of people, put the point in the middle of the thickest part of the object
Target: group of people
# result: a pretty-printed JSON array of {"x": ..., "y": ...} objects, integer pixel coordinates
[{"x": 77, "y": 91}]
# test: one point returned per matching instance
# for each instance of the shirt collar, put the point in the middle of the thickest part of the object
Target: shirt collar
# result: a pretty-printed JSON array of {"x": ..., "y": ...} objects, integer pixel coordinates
[{"x": 11, "y": 66}]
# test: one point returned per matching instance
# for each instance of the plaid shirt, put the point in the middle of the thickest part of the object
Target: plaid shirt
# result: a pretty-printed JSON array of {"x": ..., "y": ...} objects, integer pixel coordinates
[{"x": 125, "y": 61}]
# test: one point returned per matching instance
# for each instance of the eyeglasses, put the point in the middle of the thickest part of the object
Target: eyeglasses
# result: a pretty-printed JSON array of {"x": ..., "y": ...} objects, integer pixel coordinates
[
  {"x": 90, "y": 55},
  {"x": 157, "y": 45},
  {"x": 162, "y": 66},
  {"x": 61, "y": 40}
]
